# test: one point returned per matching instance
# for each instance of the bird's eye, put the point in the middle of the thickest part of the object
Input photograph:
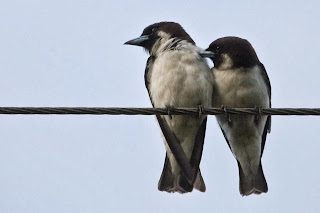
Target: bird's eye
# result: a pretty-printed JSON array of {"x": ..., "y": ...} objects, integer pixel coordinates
[
  {"x": 218, "y": 48},
  {"x": 154, "y": 29}
]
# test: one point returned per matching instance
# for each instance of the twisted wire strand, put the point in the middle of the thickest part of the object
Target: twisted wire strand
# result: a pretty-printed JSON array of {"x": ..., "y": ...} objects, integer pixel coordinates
[{"x": 154, "y": 111}]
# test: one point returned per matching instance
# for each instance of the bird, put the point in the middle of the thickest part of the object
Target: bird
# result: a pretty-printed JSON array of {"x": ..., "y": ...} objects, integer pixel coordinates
[
  {"x": 241, "y": 81},
  {"x": 177, "y": 76}
]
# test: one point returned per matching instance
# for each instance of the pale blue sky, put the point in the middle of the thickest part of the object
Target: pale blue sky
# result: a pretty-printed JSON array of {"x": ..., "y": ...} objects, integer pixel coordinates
[{"x": 71, "y": 53}]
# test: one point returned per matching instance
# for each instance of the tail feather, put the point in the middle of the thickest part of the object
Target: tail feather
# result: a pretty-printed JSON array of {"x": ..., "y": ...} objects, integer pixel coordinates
[
  {"x": 180, "y": 183},
  {"x": 252, "y": 183},
  {"x": 166, "y": 179},
  {"x": 199, "y": 183}
]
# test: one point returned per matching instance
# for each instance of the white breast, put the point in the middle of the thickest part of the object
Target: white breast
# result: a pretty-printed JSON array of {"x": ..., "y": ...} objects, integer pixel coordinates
[
  {"x": 241, "y": 88},
  {"x": 181, "y": 78}
]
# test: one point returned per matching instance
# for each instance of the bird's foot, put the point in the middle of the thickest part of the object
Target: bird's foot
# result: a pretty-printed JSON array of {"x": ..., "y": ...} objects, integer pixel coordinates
[
  {"x": 200, "y": 110},
  {"x": 169, "y": 109},
  {"x": 259, "y": 112},
  {"x": 225, "y": 109}
]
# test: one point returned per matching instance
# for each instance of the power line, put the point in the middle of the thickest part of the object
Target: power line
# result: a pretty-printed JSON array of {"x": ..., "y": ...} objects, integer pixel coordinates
[
  {"x": 155, "y": 111},
  {"x": 187, "y": 167}
]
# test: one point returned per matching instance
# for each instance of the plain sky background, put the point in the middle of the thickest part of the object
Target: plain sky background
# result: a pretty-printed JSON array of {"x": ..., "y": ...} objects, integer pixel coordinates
[{"x": 71, "y": 53}]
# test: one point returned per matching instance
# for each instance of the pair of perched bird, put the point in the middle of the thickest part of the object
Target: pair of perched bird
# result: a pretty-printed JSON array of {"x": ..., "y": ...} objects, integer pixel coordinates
[{"x": 177, "y": 75}]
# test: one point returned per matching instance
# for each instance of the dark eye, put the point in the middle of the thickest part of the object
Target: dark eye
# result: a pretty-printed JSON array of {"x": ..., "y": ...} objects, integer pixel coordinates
[
  {"x": 154, "y": 29},
  {"x": 218, "y": 48}
]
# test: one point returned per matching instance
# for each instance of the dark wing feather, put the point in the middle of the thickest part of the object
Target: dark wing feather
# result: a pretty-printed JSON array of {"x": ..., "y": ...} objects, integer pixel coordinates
[
  {"x": 189, "y": 170},
  {"x": 170, "y": 137},
  {"x": 225, "y": 137},
  {"x": 147, "y": 73},
  {"x": 176, "y": 149},
  {"x": 267, "y": 128},
  {"x": 166, "y": 181},
  {"x": 198, "y": 146},
  {"x": 197, "y": 155}
]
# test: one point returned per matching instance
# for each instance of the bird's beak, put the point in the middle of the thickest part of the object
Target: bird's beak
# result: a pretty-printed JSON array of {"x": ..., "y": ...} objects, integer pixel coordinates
[
  {"x": 207, "y": 54},
  {"x": 138, "y": 41}
]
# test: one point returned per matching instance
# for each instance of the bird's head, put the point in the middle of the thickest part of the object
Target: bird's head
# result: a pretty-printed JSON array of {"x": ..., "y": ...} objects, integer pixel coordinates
[
  {"x": 155, "y": 34},
  {"x": 231, "y": 52}
]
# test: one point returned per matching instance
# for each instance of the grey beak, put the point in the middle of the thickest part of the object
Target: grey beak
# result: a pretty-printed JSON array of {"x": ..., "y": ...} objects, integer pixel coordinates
[
  {"x": 138, "y": 41},
  {"x": 207, "y": 54}
]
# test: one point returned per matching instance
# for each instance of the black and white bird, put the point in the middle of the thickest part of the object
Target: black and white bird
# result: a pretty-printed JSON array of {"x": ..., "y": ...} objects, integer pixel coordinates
[
  {"x": 177, "y": 76},
  {"x": 242, "y": 82}
]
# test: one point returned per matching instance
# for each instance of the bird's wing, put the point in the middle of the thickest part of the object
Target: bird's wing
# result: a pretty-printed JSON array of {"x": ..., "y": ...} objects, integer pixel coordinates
[
  {"x": 267, "y": 128},
  {"x": 147, "y": 74},
  {"x": 189, "y": 168},
  {"x": 225, "y": 137}
]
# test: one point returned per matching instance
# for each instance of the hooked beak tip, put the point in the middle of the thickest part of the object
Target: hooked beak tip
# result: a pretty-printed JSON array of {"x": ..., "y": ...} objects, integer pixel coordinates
[
  {"x": 207, "y": 54},
  {"x": 137, "y": 41}
]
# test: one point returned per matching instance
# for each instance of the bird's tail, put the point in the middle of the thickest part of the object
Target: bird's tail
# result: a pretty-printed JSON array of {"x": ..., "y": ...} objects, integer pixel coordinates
[
  {"x": 252, "y": 183},
  {"x": 199, "y": 183},
  {"x": 178, "y": 183}
]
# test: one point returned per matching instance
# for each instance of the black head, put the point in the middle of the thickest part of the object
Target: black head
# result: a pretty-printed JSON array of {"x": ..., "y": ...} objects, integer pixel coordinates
[
  {"x": 161, "y": 30},
  {"x": 233, "y": 52}
]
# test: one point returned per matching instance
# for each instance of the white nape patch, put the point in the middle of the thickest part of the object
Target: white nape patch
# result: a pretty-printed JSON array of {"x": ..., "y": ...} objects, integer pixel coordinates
[
  {"x": 164, "y": 38},
  {"x": 227, "y": 62},
  {"x": 163, "y": 34}
]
